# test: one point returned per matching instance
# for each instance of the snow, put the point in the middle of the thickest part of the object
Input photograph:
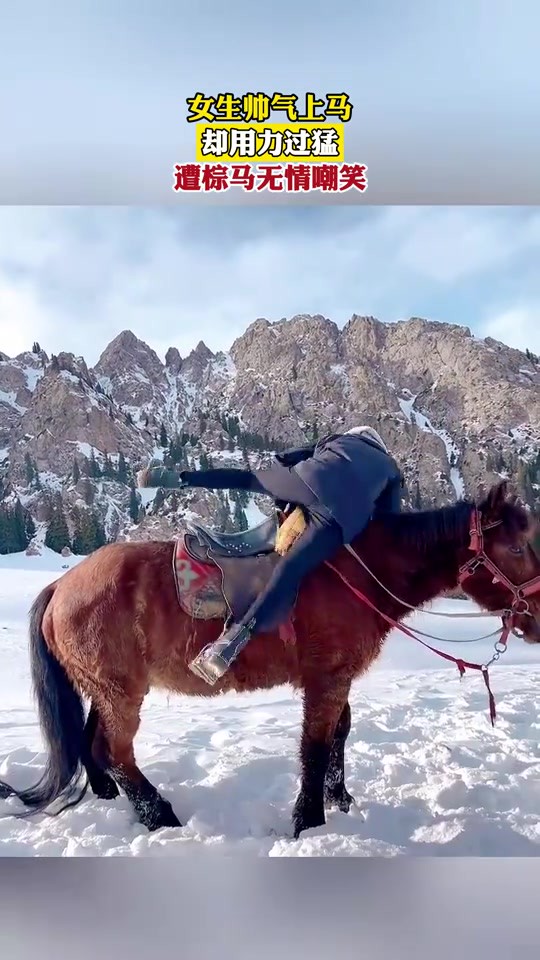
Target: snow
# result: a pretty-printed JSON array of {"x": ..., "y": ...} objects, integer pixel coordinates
[
  {"x": 225, "y": 364},
  {"x": 147, "y": 495},
  {"x": 70, "y": 377},
  {"x": 50, "y": 480},
  {"x": 456, "y": 479},
  {"x": 430, "y": 774},
  {"x": 86, "y": 449},
  {"x": 32, "y": 374},
  {"x": 254, "y": 515},
  {"x": 10, "y": 397},
  {"x": 190, "y": 391}
]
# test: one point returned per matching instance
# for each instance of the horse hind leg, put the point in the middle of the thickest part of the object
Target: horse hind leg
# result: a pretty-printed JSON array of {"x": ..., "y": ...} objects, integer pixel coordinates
[
  {"x": 335, "y": 791},
  {"x": 101, "y": 783},
  {"x": 120, "y": 722}
]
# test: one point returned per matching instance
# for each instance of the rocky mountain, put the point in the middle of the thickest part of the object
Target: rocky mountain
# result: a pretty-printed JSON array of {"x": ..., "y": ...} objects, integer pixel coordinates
[{"x": 457, "y": 412}]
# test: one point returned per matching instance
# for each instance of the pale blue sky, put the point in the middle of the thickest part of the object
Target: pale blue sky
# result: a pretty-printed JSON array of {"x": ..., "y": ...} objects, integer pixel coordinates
[
  {"x": 80, "y": 62},
  {"x": 92, "y": 93},
  {"x": 73, "y": 278}
]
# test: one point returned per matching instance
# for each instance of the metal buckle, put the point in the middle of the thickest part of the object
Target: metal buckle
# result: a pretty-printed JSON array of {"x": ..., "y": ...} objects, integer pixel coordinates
[{"x": 499, "y": 648}]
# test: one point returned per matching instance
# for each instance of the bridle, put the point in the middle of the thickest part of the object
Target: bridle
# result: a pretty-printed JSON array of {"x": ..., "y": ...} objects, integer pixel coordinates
[
  {"x": 520, "y": 592},
  {"x": 518, "y": 607}
]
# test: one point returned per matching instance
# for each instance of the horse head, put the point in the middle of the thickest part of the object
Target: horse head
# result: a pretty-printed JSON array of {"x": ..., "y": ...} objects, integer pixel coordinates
[{"x": 502, "y": 570}]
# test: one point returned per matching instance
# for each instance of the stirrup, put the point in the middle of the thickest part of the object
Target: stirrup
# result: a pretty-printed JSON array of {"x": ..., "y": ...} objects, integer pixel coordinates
[{"x": 215, "y": 659}]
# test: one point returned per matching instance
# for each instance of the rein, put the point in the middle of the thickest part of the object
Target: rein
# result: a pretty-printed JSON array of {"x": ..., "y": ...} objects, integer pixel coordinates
[{"x": 519, "y": 606}]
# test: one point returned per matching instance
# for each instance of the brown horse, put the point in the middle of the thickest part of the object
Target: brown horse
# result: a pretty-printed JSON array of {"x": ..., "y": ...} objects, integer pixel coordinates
[{"x": 111, "y": 628}]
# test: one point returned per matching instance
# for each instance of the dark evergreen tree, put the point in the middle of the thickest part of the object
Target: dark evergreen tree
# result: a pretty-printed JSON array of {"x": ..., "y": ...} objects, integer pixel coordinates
[
  {"x": 108, "y": 470},
  {"x": 75, "y": 473},
  {"x": 17, "y": 528},
  {"x": 158, "y": 500},
  {"x": 89, "y": 533},
  {"x": 163, "y": 439},
  {"x": 95, "y": 470},
  {"x": 134, "y": 505},
  {"x": 19, "y": 524},
  {"x": 29, "y": 469},
  {"x": 29, "y": 527},
  {"x": 57, "y": 535},
  {"x": 223, "y": 519},
  {"x": 8, "y": 543},
  {"x": 239, "y": 517},
  {"x": 122, "y": 472}
]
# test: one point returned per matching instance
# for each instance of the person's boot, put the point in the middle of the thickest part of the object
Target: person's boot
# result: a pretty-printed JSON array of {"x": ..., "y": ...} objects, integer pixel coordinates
[{"x": 215, "y": 659}]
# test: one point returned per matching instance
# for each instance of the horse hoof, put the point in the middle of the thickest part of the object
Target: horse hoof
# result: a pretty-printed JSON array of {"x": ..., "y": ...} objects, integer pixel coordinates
[
  {"x": 161, "y": 817},
  {"x": 106, "y": 790},
  {"x": 306, "y": 816},
  {"x": 342, "y": 800}
]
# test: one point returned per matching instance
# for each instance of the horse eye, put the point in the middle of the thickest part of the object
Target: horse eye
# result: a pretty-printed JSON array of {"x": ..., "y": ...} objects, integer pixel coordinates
[{"x": 518, "y": 551}]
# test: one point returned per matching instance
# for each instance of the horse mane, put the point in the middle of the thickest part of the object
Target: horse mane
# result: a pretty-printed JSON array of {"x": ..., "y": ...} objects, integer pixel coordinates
[{"x": 424, "y": 529}]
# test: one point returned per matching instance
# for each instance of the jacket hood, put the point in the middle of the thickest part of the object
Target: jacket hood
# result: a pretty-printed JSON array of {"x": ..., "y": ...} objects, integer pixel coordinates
[{"x": 367, "y": 431}]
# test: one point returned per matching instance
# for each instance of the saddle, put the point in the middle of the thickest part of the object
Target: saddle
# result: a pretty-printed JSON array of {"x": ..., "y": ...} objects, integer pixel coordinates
[{"x": 219, "y": 575}]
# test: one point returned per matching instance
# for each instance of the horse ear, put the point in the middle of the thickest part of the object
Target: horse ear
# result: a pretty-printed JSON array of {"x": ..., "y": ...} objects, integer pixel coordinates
[{"x": 495, "y": 499}]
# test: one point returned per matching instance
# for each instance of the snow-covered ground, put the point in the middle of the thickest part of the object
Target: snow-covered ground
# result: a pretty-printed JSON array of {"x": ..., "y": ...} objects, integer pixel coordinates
[{"x": 430, "y": 775}]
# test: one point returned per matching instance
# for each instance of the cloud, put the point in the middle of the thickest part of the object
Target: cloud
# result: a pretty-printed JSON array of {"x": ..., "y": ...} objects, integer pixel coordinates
[
  {"x": 449, "y": 245},
  {"x": 73, "y": 278},
  {"x": 22, "y": 317},
  {"x": 517, "y": 326}
]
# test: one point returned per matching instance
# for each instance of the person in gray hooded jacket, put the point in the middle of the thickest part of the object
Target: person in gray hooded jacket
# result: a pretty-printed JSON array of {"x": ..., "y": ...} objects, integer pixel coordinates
[{"x": 341, "y": 482}]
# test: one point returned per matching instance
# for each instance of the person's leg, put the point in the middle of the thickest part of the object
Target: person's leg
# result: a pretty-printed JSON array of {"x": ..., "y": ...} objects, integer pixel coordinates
[
  {"x": 222, "y": 478},
  {"x": 317, "y": 543},
  {"x": 279, "y": 482},
  {"x": 284, "y": 484},
  {"x": 225, "y": 478}
]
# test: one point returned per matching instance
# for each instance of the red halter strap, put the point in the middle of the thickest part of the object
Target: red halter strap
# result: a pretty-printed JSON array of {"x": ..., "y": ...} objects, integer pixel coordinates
[
  {"x": 519, "y": 592},
  {"x": 480, "y": 558}
]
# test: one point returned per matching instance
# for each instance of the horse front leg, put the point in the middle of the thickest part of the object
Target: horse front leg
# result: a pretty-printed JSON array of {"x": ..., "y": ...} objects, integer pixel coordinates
[
  {"x": 324, "y": 702},
  {"x": 335, "y": 791}
]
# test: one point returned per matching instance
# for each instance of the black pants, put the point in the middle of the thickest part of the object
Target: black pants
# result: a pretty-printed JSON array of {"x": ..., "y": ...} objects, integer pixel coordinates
[
  {"x": 319, "y": 542},
  {"x": 280, "y": 483}
]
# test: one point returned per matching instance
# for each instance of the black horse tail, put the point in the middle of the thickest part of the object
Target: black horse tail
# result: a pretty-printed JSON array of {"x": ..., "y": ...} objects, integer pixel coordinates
[{"x": 61, "y": 718}]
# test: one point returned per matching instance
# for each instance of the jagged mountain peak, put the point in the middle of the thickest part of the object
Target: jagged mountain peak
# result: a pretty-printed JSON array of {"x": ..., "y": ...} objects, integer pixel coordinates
[
  {"x": 201, "y": 351},
  {"x": 173, "y": 360},
  {"x": 454, "y": 409},
  {"x": 126, "y": 348}
]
